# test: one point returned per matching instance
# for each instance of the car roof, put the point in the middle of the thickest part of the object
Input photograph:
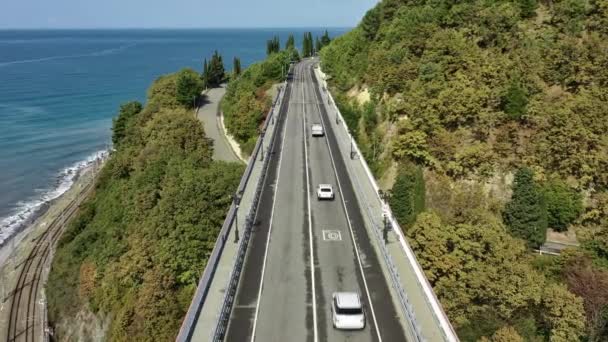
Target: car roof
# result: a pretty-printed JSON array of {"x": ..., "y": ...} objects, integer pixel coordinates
[
  {"x": 348, "y": 300},
  {"x": 325, "y": 186},
  {"x": 317, "y": 125}
]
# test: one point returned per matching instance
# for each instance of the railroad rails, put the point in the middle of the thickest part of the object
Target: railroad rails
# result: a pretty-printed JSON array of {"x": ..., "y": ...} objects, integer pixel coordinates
[{"x": 23, "y": 313}]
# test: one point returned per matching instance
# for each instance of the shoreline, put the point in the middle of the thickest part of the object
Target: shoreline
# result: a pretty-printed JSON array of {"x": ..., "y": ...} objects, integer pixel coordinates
[
  {"x": 16, "y": 251},
  {"x": 26, "y": 214}
]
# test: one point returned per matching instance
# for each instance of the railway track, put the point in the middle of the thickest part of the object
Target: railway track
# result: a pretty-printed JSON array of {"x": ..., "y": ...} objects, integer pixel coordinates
[{"x": 23, "y": 313}]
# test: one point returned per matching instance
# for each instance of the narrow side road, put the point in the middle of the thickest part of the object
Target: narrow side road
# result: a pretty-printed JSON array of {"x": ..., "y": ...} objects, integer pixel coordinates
[{"x": 208, "y": 113}]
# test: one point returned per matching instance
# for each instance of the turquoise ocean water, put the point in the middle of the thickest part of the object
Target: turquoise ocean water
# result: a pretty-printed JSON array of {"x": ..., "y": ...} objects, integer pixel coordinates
[{"x": 59, "y": 90}]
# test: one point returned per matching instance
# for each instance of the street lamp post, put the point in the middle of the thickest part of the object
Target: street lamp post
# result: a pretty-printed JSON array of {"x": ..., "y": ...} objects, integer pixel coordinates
[{"x": 237, "y": 203}]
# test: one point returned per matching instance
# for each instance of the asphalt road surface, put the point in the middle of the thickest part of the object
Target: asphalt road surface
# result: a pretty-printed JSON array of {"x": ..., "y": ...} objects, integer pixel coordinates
[{"x": 303, "y": 250}]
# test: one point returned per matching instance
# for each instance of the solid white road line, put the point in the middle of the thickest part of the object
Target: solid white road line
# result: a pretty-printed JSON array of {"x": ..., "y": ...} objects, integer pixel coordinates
[
  {"x": 257, "y": 306},
  {"x": 347, "y": 216},
  {"x": 310, "y": 235}
]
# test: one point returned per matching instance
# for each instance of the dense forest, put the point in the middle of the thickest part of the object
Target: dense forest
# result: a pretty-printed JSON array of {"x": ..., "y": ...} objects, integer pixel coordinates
[
  {"x": 487, "y": 119},
  {"x": 127, "y": 266}
]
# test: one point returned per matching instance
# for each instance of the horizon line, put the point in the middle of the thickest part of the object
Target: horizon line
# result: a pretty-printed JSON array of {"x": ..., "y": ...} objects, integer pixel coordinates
[{"x": 175, "y": 28}]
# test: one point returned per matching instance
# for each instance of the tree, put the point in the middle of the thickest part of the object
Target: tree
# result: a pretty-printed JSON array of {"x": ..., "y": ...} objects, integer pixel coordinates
[
  {"x": 563, "y": 314},
  {"x": 236, "y": 69},
  {"x": 307, "y": 45},
  {"x": 528, "y": 8},
  {"x": 189, "y": 87},
  {"x": 371, "y": 23},
  {"x": 504, "y": 334},
  {"x": 476, "y": 268},
  {"x": 515, "y": 101},
  {"x": 205, "y": 74},
  {"x": 273, "y": 46},
  {"x": 318, "y": 45},
  {"x": 564, "y": 205},
  {"x": 325, "y": 39},
  {"x": 291, "y": 42},
  {"x": 214, "y": 74},
  {"x": 526, "y": 213},
  {"x": 408, "y": 195},
  {"x": 119, "y": 123},
  {"x": 590, "y": 283}
]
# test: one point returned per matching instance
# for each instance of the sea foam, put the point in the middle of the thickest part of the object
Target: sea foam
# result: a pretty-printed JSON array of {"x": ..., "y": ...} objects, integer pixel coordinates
[{"x": 27, "y": 211}]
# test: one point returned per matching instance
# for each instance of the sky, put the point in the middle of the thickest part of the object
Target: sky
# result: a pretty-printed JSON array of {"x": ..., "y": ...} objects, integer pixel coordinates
[{"x": 181, "y": 13}]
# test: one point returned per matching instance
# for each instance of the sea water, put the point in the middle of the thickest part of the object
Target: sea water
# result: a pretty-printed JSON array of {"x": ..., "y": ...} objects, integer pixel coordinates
[{"x": 59, "y": 90}]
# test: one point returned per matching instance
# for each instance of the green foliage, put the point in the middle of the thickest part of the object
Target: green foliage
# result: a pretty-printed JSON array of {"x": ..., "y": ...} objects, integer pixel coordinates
[
  {"x": 120, "y": 123},
  {"x": 325, "y": 40},
  {"x": 526, "y": 213},
  {"x": 317, "y": 44},
  {"x": 137, "y": 247},
  {"x": 564, "y": 205},
  {"x": 472, "y": 90},
  {"x": 476, "y": 268},
  {"x": 214, "y": 73},
  {"x": 246, "y": 103},
  {"x": 188, "y": 87},
  {"x": 408, "y": 195},
  {"x": 371, "y": 23},
  {"x": 308, "y": 49},
  {"x": 563, "y": 314},
  {"x": 290, "y": 43},
  {"x": 236, "y": 66},
  {"x": 515, "y": 101},
  {"x": 273, "y": 45},
  {"x": 528, "y": 8}
]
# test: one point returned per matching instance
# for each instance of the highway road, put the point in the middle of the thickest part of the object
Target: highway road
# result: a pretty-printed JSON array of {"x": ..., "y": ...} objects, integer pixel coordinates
[{"x": 302, "y": 250}]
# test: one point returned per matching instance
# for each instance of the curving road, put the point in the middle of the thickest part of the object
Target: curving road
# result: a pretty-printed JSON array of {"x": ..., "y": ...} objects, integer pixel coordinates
[
  {"x": 303, "y": 250},
  {"x": 208, "y": 112}
]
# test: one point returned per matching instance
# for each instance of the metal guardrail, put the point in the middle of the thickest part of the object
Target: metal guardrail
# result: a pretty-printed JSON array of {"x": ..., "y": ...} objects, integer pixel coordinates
[
  {"x": 188, "y": 325},
  {"x": 430, "y": 297}
]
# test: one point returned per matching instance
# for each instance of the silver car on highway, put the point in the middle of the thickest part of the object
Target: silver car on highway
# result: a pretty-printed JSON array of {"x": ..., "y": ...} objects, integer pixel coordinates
[
  {"x": 347, "y": 311},
  {"x": 325, "y": 192}
]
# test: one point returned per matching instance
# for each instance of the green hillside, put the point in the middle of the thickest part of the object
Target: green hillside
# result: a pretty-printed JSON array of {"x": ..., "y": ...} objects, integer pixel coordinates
[
  {"x": 127, "y": 267},
  {"x": 504, "y": 107}
]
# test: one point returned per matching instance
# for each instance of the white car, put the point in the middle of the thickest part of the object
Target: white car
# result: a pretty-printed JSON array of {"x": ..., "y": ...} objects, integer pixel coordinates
[
  {"x": 317, "y": 130},
  {"x": 347, "y": 311},
  {"x": 325, "y": 191}
]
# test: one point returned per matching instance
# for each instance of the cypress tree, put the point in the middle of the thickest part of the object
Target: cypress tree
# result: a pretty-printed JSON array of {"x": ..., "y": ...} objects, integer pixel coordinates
[
  {"x": 325, "y": 40},
  {"x": 526, "y": 214},
  {"x": 236, "y": 66},
  {"x": 205, "y": 75},
  {"x": 408, "y": 195},
  {"x": 291, "y": 42},
  {"x": 318, "y": 45},
  {"x": 215, "y": 70}
]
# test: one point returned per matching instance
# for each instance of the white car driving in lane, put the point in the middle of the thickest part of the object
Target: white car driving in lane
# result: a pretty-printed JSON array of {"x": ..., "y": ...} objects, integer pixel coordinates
[
  {"x": 347, "y": 311},
  {"x": 325, "y": 191},
  {"x": 317, "y": 130}
]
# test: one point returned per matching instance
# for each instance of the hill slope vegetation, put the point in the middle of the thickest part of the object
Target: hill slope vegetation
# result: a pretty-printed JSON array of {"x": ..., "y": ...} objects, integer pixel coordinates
[
  {"x": 133, "y": 256},
  {"x": 504, "y": 106}
]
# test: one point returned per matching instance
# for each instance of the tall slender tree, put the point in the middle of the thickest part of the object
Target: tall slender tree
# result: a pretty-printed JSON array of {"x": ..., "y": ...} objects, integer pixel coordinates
[
  {"x": 236, "y": 69},
  {"x": 214, "y": 72},
  {"x": 205, "y": 74},
  {"x": 273, "y": 45},
  {"x": 318, "y": 45},
  {"x": 291, "y": 42},
  {"x": 325, "y": 40}
]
